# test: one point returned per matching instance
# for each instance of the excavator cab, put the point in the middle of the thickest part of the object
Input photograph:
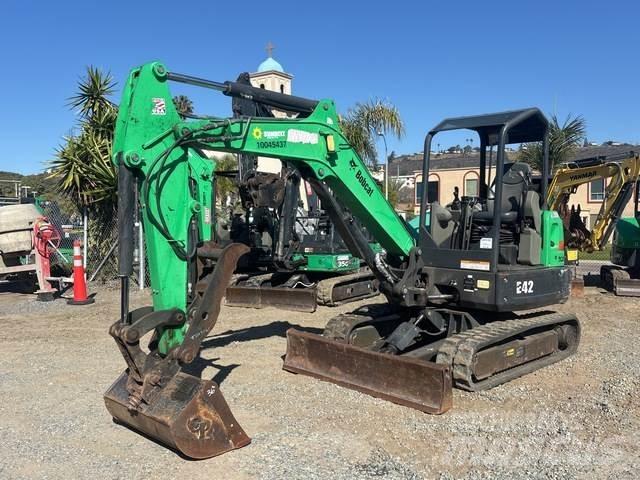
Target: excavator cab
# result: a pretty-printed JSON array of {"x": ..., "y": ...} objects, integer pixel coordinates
[{"x": 484, "y": 248}]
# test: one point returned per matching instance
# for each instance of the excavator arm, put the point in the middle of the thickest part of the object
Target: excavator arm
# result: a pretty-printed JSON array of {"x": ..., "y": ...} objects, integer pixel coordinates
[{"x": 622, "y": 171}]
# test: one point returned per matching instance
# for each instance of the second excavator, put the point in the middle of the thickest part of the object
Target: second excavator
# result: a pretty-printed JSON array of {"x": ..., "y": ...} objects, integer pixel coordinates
[
  {"x": 451, "y": 286},
  {"x": 622, "y": 171}
]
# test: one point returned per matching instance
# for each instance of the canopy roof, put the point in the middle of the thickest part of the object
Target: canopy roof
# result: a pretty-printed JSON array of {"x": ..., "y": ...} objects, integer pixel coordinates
[{"x": 527, "y": 125}]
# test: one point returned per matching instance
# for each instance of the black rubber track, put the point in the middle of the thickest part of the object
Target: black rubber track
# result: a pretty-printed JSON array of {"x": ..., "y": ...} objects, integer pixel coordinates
[{"x": 459, "y": 350}]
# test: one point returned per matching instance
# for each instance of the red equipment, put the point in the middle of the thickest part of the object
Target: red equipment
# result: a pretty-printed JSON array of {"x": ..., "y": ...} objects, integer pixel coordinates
[{"x": 45, "y": 236}]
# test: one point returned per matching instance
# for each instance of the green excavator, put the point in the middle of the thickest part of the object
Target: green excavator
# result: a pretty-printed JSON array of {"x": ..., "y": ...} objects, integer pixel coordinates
[
  {"x": 297, "y": 259},
  {"x": 622, "y": 277},
  {"x": 451, "y": 286}
]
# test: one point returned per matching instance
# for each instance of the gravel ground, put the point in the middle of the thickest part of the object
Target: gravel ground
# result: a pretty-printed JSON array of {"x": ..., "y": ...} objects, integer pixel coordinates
[{"x": 576, "y": 419}]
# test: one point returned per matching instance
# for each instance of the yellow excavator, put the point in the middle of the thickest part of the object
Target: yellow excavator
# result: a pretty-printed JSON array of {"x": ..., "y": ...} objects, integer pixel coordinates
[{"x": 622, "y": 170}]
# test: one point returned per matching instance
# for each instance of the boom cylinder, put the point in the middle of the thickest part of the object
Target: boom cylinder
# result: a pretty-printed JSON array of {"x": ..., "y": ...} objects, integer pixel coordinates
[
  {"x": 126, "y": 210},
  {"x": 277, "y": 100}
]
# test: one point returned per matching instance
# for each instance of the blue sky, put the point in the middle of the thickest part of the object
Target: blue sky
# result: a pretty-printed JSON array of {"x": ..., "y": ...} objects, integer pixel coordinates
[{"x": 431, "y": 59}]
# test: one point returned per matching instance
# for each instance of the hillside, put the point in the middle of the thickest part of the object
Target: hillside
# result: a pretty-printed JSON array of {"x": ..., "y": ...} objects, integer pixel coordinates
[{"x": 40, "y": 183}]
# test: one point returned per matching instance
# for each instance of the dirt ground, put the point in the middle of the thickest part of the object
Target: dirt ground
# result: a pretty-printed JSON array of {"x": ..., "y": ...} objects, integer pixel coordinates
[{"x": 576, "y": 419}]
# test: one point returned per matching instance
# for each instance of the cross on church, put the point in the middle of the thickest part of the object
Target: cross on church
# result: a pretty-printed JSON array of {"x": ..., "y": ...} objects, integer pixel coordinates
[{"x": 270, "y": 47}]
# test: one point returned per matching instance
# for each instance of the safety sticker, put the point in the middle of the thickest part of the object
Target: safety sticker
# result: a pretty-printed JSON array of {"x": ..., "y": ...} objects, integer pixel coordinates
[
  {"x": 475, "y": 265},
  {"x": 159, "y": 106},
  {"x": 486, "y": 243}
]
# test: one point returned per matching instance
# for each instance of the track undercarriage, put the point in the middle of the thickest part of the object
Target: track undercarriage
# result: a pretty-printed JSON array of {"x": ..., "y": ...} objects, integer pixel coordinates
[
  {"x": 441, "y": 348},
  {"x": 624, "y": 282},
  {"x": 298, "y": 292}
]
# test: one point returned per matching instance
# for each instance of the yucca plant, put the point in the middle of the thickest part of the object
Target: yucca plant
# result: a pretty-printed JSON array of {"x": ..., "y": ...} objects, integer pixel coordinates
[
  {"x": 395, "y": 185},
  {"x": 563, "y": 141},
  {"x": 362, "y": 123},
  {"x": 183, "y": 104},
  {"x": 82, "y": 165}
]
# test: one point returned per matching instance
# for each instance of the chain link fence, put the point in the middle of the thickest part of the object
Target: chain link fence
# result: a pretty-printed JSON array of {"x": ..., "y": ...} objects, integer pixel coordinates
[
  {"x": 589, "y": 264},
  {"x": 100, "y": 246},
  {"x": 101, "y": 262},
  {"x": 102, "y": 254}
]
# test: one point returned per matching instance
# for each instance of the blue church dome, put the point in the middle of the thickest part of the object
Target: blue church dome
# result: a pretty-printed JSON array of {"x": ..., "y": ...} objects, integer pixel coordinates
[{"x": 270, "y": 64}]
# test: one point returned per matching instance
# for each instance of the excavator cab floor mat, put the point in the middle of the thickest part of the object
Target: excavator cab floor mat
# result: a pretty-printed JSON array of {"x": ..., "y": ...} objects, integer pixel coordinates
[
  {"x": 189, "y": 415},
  {"x": 418, "y": 384}
]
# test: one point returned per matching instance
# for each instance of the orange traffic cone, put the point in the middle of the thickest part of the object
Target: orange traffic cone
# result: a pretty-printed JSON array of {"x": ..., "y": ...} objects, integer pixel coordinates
[{"x": 80, "y": 296}]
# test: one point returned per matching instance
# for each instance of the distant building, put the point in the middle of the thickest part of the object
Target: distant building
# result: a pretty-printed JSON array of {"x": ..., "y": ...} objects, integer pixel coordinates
[
  {"x": 455, "y": 170},
  {"x": 271, "y": 76}
]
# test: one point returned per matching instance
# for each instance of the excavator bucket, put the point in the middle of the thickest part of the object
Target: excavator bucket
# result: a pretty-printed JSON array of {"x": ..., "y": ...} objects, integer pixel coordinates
[
  {"x": 189, "y": 415},
  {"x": 156, "y": 398},
  {"x": 425, "y": 386}
]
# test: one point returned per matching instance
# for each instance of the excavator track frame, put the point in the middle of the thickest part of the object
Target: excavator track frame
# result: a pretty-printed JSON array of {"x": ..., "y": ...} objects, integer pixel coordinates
[
  {"x": 329, "y": 292},
  {"x": 510, "y": 339}
]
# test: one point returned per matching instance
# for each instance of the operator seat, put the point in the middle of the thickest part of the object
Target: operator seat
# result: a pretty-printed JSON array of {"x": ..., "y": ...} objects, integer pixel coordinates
[{"x": 515, "y": 184}]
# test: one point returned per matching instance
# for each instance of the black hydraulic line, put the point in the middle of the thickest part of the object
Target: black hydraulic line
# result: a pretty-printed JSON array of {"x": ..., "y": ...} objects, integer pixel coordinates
[
  {"x": 349, "y": 230},
  {"x": 200, "y": 82},
  {"x": 288, "y": 214},
  {"x": 126, "y": 212},
  {"x": 234, "y": 89}
]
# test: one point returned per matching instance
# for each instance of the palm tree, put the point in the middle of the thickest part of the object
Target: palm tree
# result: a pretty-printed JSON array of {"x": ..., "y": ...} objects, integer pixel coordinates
[
  {"x": 362, "y": 123},
  {"x": 563, "y": 141},
  {"x": 82, "y": 168},
  {"x": 82, "y": 165},
  {"x": 395, "y": 185},
  {"x": 183, "y": 104}
]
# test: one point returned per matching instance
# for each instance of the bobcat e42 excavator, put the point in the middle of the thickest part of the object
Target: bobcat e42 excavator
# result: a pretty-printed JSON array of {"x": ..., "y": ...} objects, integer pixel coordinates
[{"x": 451, "y": 286}]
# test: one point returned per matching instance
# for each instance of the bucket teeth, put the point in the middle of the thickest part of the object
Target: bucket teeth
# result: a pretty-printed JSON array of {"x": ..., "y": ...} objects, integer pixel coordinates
[{"x": 188, "y": 414}]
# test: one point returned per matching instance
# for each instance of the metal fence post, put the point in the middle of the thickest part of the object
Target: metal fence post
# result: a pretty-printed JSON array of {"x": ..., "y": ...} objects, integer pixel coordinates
[
  {"x": 85, "y": 229},
  {"x": 141, "y": 257}
]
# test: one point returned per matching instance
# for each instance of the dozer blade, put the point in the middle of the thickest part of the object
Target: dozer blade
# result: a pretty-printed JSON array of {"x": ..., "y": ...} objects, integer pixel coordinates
[
  {"x": 425, "y": 386},
  {"x": 629, "y": 287},
  {"x": 189, "y": 415},
  {"x": 297, "y": 299}
]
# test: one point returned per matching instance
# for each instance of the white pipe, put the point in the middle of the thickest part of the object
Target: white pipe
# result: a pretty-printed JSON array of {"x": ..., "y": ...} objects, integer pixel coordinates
[
  {"x": 85, "y": 229},
  {"x": 141, "y": 272}
]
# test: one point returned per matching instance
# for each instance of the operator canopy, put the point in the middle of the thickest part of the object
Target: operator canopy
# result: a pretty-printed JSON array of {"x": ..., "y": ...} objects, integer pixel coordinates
[{"x": 527, "y": 125}]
